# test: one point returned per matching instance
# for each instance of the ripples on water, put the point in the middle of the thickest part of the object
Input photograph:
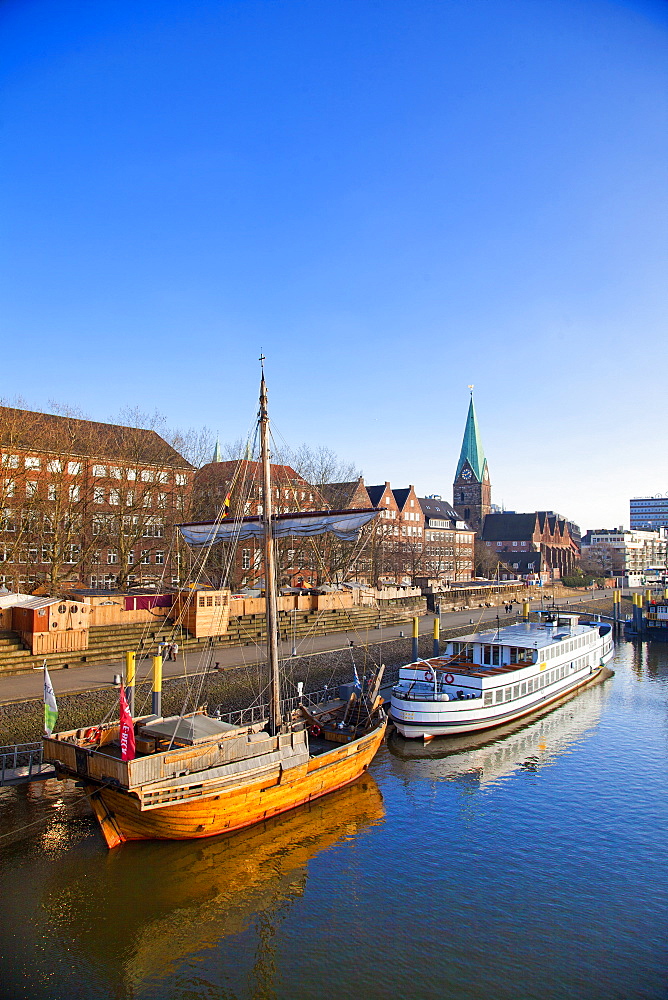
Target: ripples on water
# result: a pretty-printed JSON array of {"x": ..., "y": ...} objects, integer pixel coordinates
[{"x": 529, "y": 866}]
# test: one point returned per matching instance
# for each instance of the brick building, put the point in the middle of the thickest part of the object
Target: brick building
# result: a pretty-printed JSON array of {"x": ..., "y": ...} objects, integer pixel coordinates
[
  {"x": 448, "y": 542},
  {"x": 540, "y": 532},
  {"x": 87, "y": 502},
  {"x": 300, "y": 561}
]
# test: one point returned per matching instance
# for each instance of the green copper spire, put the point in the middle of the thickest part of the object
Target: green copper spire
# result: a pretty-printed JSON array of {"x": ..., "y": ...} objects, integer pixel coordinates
[
  {"x": 217, "y": 457},
  {"x": 472, "y": 447}
]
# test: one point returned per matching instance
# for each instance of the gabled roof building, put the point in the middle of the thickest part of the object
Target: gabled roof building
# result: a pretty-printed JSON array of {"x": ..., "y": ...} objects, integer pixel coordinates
[{"x": 540, "y": 531}]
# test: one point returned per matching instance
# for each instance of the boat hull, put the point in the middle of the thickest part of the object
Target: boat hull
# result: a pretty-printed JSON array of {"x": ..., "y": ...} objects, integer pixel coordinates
[
  {"x": 447, "y": 725},
  {"x": 121, "y": 817}
]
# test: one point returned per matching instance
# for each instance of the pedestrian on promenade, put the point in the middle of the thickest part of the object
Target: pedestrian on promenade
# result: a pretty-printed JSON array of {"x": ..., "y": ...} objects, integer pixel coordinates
[{"x": 174, "y": 650}]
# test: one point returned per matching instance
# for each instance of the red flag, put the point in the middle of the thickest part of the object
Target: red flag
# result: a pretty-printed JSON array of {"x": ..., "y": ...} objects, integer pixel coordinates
[{"x": 127, "y": 731}]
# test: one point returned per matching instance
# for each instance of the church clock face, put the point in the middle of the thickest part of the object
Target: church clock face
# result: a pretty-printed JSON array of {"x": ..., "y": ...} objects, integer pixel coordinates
[{"x": 466, "y": 474}]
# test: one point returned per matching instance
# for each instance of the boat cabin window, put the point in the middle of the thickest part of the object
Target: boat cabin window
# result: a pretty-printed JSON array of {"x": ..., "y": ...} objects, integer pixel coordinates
[
  {"x": 518, "y": 655},
  {"x": 491, "y": 655},
  {"x": 463, "y": 650},
  {"x": 488, "y": 698}
]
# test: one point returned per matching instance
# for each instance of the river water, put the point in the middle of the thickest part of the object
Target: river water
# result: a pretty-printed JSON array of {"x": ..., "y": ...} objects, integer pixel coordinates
[{"x": 530, "y": 866}]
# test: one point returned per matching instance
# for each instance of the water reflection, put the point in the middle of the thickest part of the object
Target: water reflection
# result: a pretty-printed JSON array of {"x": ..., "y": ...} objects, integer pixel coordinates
[
  {"x": 139, "y": 912},
  {"x": 45, "y": 806},
  {"x": 648, "y": 659},
  {"x": 485, "y": 759}
]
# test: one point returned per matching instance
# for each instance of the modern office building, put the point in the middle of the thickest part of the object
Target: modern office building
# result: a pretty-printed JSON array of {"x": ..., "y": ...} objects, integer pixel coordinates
[{"x": 649, "y": 513}]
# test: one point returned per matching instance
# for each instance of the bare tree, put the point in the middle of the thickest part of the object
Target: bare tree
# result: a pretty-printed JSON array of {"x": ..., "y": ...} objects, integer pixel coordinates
[
  {"x": 599, "y": 559},
  {"x": 321, "y": 465},
  {"x": 196, "y": 444},
  {"x": 485, "y": 559}
]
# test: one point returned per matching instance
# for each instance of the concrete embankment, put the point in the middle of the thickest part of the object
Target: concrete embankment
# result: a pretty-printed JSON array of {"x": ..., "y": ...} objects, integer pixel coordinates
[{"x": 233, "y": 688}]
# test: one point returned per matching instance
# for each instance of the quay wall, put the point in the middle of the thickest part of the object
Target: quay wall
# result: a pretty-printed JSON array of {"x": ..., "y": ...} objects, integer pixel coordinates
[{"x": 233, "y": 688}]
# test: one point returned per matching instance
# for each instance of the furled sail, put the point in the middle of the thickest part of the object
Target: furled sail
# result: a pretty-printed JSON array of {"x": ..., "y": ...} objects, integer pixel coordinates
[{"x": 346, "y": 525}]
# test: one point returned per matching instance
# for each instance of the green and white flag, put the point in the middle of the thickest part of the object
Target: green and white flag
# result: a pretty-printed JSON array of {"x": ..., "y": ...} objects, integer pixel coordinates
[{"x": 50, "y": 706}]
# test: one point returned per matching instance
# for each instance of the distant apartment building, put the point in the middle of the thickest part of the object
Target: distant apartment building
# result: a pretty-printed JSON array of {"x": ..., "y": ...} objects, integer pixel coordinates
[
  {"x": 616, "y": 551},
  {"x": 649, "y": 513},
  {"x": 87, "y": 502}
]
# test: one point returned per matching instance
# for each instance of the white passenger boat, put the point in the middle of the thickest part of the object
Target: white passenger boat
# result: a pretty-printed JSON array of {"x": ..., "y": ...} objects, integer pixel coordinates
[{"x": 490, "y": 678}]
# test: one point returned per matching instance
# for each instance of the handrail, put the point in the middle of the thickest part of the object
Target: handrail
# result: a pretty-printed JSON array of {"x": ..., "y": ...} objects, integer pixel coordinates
[
  {"x": 20, "y": 755},
  {"x": 259, "y": 713}
]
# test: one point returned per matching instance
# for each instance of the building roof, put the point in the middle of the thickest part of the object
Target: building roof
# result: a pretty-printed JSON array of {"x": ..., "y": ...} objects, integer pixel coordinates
[
  {"x": 376, "y": 493},
  {"x": 401, "y": 496},
  {"x": 509, "y": 527},
  {"x": 49, "y": 433},
  {"x": 472, "y": 451},
  {"x": 242, "y": 470},
  {"x": 437, "y": 508},
  {"x": 519, "y": 562},
  {"x": 346, "y": 496}
]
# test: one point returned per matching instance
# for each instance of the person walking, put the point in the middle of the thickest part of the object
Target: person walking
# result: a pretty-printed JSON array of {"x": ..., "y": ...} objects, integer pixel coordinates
[{"x": 174, "y": 650}]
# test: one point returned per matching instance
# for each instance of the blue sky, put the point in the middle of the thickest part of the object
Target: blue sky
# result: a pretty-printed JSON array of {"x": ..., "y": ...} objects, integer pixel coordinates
[{"x": 390, "y": 200}]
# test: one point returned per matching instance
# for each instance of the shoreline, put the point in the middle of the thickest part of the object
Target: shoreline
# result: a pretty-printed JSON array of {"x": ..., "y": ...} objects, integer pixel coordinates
[{"x": 232, "y": 688}]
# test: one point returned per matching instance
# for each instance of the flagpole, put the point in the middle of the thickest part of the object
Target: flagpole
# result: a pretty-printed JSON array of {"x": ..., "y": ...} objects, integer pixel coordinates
[{"x": 50, "y": 704}]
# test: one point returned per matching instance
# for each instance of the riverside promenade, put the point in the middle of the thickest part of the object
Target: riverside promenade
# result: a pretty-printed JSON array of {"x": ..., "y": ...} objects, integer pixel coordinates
[{"x": 100, "y": 676}]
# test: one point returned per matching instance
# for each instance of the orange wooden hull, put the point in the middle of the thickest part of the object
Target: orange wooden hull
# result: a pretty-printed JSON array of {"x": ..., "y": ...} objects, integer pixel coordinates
[{"x": 121, "y": 817}]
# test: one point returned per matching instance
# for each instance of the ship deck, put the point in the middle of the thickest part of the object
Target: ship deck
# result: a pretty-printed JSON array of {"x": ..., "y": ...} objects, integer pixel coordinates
[{"x": 464, "y": 667}]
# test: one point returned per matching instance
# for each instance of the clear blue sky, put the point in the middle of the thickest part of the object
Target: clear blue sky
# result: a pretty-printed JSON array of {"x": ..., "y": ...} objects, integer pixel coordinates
[{"x": 390, "y": 198}]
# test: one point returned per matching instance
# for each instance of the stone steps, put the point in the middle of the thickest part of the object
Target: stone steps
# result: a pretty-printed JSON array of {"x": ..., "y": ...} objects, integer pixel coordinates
[{"x": 108, "y": 643}]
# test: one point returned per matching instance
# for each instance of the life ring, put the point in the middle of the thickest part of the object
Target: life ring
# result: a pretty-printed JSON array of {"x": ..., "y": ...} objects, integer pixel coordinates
[
  {"x": 428, "y": 676},
  {"x": 449, "y": 679},
  {"x": 315, "y": 730},
  {"x": 93, "y": 733}
]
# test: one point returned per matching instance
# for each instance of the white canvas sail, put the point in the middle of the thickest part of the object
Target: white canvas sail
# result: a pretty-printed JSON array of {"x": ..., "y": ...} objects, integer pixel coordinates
[{"x": 345, "y": 525}]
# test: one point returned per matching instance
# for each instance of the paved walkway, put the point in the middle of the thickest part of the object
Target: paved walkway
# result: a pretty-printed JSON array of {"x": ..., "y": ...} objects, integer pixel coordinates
[{"x": 23, "y": 687}]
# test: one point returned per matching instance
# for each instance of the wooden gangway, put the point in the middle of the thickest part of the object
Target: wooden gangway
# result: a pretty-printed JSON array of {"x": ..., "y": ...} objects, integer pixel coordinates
[{"x": 22, "y": 763}]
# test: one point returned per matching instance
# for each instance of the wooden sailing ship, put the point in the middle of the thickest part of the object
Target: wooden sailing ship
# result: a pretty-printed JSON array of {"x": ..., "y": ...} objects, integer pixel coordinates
[{"x": 195, "y": 776}]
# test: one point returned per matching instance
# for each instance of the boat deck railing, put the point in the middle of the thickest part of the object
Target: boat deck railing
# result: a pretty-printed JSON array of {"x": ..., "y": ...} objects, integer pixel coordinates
[
  {"x": 259, "y": 713},
  {"x": 426, "y": 693}
]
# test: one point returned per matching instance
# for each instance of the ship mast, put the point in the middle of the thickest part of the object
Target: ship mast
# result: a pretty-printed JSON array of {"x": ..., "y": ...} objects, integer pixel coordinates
[{"x": 269, "y": 565}]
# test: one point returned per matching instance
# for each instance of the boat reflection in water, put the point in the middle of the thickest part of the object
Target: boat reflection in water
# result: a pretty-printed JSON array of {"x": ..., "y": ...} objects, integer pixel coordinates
[
  {"x": 527, "y": 744},
  {"x": 142, "y": 911}
]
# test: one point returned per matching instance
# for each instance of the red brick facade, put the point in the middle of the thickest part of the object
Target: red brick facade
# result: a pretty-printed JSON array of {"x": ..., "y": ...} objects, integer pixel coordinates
[
  {"x": 86, "y": 502},
  {"x": 298, "y": 561}
]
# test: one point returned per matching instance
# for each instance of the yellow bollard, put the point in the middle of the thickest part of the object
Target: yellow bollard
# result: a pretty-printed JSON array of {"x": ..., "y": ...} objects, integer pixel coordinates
[
  {"x": 156, "y": 699},
  {"x": 416, "y": 635},
  {"x": 437, "y": 633},
  {"x": 525, "y": 610},
  {"x": 130, "y": 669}
]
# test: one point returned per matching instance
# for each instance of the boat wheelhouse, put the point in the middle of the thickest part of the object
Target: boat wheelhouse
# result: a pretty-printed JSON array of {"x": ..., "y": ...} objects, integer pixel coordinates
[{"x": 490, "y": 678}]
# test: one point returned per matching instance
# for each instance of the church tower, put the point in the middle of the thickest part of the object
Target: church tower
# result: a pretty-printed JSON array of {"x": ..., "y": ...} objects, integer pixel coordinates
[{"x": 471, "y": 490}]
